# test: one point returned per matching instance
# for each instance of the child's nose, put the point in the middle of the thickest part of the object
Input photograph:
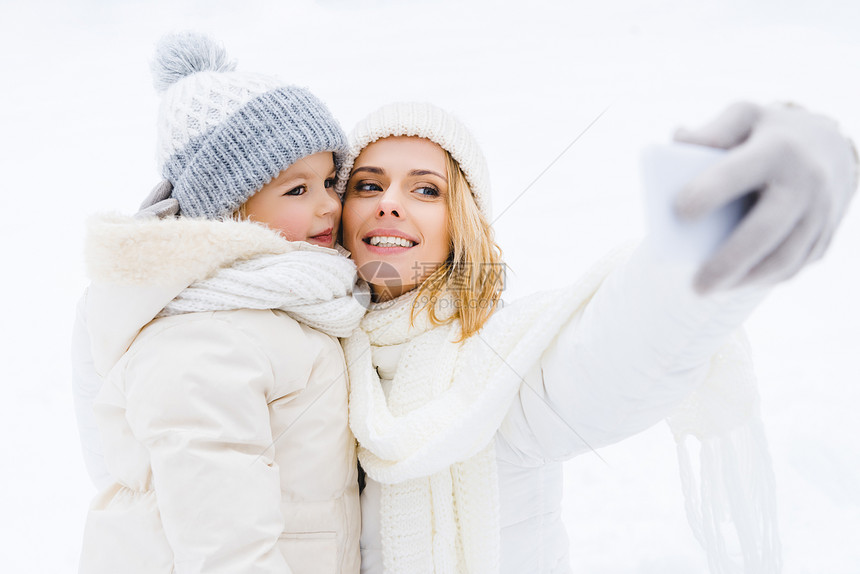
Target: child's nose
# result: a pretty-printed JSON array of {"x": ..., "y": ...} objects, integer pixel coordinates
[{"x": 330, "y": 203}]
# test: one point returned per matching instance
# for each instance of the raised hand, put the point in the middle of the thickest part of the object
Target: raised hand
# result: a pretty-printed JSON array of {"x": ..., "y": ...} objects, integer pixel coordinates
[{"x": 804, "y": 173}]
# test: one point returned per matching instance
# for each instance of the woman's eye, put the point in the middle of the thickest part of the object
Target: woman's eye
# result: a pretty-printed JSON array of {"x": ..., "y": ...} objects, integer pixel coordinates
[
  {"x": 329, "y": 183},
  {"x": 427, "y": 190},
  {"x": 300, "y": 190},
  {"x": 366, "y": 186}
]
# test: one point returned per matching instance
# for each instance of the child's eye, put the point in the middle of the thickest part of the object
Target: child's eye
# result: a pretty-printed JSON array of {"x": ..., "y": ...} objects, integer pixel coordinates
[
  {"x": 329, "y": 183},
  {"x": 300, "y": 190},
  {"x": 427, "y": 190}
]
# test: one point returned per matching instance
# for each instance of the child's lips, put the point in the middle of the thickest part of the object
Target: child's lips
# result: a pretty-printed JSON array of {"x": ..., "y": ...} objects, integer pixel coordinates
[{"x": 325, "y": 238}]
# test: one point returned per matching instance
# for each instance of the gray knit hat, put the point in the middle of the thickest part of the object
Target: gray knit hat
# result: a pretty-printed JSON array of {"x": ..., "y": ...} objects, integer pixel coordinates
[{"x": 223, "y": 134}]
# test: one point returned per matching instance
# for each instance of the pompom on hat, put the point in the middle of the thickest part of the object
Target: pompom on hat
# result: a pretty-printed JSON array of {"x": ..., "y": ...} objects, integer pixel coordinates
[
  {"x": 223, "y": 134},
  {"x": 425, "y": 121}
]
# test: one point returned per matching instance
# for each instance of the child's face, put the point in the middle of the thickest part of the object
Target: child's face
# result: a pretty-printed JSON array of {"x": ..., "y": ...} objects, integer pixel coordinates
[{"x": 300, "y": 202}]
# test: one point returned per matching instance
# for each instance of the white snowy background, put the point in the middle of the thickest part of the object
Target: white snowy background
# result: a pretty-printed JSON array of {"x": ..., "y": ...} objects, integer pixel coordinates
[{"x": 77, "y": 133}]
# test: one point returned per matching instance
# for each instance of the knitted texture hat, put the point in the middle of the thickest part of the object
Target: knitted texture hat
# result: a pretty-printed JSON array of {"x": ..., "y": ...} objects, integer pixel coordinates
[
  {"x": 223, "y": 134},
  {"x": 425, "y": 121}
]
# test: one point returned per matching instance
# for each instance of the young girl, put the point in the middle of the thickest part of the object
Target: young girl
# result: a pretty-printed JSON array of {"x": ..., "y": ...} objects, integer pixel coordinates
[
  {"x": 223, "y": 414},
  {"x": 464, "y": 411}
]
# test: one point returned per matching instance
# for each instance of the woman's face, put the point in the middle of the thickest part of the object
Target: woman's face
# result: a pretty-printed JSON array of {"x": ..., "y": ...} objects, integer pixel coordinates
[
  {"x": 395, "y": 214},
  {"x": 300, "y": 202}
]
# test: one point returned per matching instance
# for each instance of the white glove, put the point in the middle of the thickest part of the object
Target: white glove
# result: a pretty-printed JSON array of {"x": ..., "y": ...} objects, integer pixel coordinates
[{"x": 804, "y": 173}]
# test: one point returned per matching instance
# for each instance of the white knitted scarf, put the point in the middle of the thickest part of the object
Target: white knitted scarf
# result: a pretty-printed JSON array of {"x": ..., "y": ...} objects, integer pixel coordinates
[
  {"x": 313, "y": 286},
  {"x": 430, "y": 443}
]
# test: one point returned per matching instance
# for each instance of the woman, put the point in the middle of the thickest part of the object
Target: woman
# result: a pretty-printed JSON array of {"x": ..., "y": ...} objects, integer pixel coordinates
[{"x": 464, "y": 411}]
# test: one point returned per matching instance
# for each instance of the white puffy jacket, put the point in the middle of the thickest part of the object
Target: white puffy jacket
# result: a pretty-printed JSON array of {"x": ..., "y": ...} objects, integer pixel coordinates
[
  {"x": 642, "y": 344},
  {"x": 224, "y": 435}
]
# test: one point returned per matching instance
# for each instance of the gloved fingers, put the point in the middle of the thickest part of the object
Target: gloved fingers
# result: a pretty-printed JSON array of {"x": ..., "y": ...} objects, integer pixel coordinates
[
  {"x": 744, "y": 169},
  {"x": 791, "y": 256},
  {"x": 729, "y": 129},
  {"x": 165, "y": 208},
  {"x": 760, "y": 232},
  {"x": 159, "y": 193}
]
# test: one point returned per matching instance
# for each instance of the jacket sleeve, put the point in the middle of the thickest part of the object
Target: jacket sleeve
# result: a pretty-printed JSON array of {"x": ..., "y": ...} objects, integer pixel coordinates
[
  {"x": 197, "y": 397},
  {"x": 623, "y": 363},
  {"x": 86, "y": 384}
]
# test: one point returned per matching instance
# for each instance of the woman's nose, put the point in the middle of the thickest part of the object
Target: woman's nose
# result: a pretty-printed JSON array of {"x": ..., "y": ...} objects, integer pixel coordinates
[{"x": 389, "y": 204}]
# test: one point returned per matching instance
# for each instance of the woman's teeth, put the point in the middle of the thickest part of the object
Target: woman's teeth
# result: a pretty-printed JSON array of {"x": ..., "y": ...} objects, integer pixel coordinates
[{"x": 384, "y": 241}]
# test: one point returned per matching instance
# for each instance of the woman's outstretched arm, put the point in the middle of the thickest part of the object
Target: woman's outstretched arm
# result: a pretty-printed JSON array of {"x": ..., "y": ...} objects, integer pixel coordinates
[
  {"x": 641, "y": 345},
  {"x": 645, "y": 340}
]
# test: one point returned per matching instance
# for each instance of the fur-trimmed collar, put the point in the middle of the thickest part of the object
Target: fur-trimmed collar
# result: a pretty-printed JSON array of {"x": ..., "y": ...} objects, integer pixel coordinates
[
  {"x": 126, "y": 251},
  {"x": 137, "y": 266}
]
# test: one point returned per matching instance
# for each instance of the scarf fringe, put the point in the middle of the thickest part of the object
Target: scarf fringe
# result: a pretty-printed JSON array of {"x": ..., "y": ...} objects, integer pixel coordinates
[
  {"x": 731, "y": 502},
  {"x": 731, "y": 506}
]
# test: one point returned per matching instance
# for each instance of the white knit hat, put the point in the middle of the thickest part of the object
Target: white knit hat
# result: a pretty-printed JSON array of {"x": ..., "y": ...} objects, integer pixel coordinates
[{"x": 425, "y": 121}]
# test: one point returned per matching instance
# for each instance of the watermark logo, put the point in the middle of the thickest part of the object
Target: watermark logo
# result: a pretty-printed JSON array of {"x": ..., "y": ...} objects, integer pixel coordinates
[
  {"x": 462, "y": 279},
  {"x": 379, "y": 273},
  {"x": 384, "y": 277}
]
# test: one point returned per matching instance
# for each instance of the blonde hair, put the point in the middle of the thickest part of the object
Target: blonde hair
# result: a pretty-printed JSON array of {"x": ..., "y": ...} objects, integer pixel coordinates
[
  {"x": 241, "y": 212},
  {"x": 474, "y": 273}
]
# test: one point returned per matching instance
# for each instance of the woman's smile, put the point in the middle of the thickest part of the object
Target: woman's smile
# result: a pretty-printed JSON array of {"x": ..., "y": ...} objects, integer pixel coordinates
[{"x": 389, "y": 241}]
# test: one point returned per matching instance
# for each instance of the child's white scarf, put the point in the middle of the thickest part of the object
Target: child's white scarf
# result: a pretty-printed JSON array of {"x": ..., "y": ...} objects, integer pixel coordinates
[
  {"x": 312, "y": 285},
  {"x": 430, "y": 443}
]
